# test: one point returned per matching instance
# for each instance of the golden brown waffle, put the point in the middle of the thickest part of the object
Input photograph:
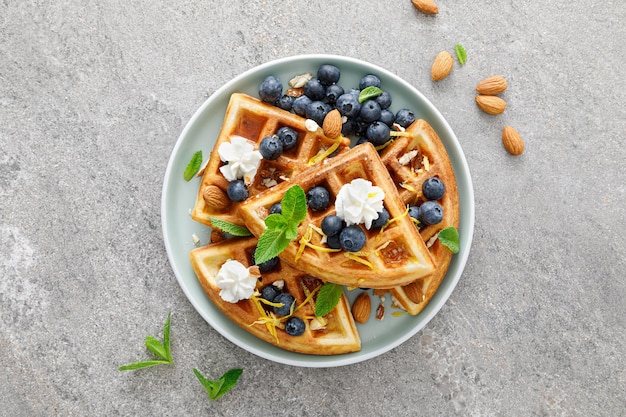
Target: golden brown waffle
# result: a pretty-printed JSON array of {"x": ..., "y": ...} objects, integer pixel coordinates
[
  {"x": 431, "y": 160},
  {"x": 338, "y": 333},
  {"x": 391, "y": 257},
  {"x": 252, "y": 119}
]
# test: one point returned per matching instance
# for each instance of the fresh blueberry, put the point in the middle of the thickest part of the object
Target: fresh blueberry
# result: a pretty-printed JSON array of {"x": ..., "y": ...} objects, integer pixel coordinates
[
  {"x": 318, "y": 198},
  {"x": 369, "y": 80},
  {"x": 431, "y": 213},
  {"x": 384, "y": 100},
  {"x": 352, "y": 238},
  {"x": 314, "y": 89},
  {"x": 294, "y": 326},
  {"x": 276, "y": 208},
  {"x": 387, "y": 117},
  {"x": 333, "y": 92},
  {"x": 268, "y": 265},
  {"x": 332, "y": 225},
  {"x": 414, "y": 212},
  {"x": 271, "y": 147},
  {"x": 288, "y": 136},
  {"x": 370, "y": 111},
  {"x": 383, "y": 218},
  {"x": 433, "y": 188},
  {"x": 361, "y": 140},
  {"x": 287, "y": 300},
  {"x": 378, "y": 133},
  {"x": 300, "y": 105},
  {"x": 328, "y": 74},
  {"x": 285, "y": 102},
  {"x": 333, "y": 242},
  {"x": 354, "y": 92},
  {"x": 404, "y": 117},
  {"x": 317, "y": 111},
  {"x": 348, "y": 105},
  {"x": 271, "y": 89},
  {"x": 269, "y": 293},
  {"x": 237, "y": 190}
]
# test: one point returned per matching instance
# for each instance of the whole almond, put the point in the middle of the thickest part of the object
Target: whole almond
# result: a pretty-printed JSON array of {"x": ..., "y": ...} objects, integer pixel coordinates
[
  {"x": 332, "y": 124},
  {"x": 361, "y": 308},
  {"x": 491, "y": 86},
  {"x": 414, "y": 292},
  {"x": 441, "y": 66},
  {"x": 426, "y": 6},
  {"x": 491, "y": 104},
  {"x": 512, "y": 141},
  {"x": 215, "y": 198}
]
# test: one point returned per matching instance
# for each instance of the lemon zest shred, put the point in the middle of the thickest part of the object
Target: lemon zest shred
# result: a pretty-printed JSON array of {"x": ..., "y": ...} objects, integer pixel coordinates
[
  {"x": 303, "y": 243},
  {"x": 332, "y": 148},
  {"x": 406, "y": 212},
  {"x": 309, "y": 297},
  {"x": 384, "y": 145},
  {"x": 360, "y": 260},
  {"x": 407, "y": 187},
  {"x": 399, "y": 313},
  {"x": 320, "y": 248},
  {"x": 397, "y": 133}
]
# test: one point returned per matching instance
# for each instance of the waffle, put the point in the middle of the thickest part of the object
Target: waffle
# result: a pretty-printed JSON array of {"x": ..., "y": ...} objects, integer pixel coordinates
[
  {"x": 409, "y": 178},
  {"x": 392, "y": 256},
  {"x": 252, "y": 119},
  {"x": 339, "y": 333}
]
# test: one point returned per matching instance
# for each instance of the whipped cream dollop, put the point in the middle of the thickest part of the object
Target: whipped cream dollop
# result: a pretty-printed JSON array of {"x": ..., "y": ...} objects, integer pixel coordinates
[
  {"x": 242, "y": 161},
  {"x": 359, "y": 202},
  {"x": 235, "y": 281}
]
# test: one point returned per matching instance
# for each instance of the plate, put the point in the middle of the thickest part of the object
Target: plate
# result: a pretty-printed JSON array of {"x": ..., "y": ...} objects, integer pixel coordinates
[{"x": 178, "y": 198}]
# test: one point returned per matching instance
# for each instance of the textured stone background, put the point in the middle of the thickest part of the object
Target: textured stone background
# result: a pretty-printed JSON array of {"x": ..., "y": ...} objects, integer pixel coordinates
[{"x": 93, "y": 96}]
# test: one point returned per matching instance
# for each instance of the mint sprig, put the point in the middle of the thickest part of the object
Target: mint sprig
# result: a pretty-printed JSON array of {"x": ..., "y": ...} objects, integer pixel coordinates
[
  {"x": 193, "y": 166},
  {"x": 449, "y": 237},
  {"x": 215, "y": 389},
  {"x": 161, "y": 350},
  {"x": 327, "y": 298},
  {"x": 281, "y": 228},
  {"x": 461, "y": 54},
  {"x": 369, "y": 93},
  {"x": 230, "y": 228}
]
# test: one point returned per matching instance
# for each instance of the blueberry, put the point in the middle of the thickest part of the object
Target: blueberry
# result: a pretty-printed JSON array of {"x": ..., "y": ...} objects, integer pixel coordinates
[
  {"x": 294, "y": 326},
  {"x": 288, "y": 136},
  {"x": 387, "y": 117},
  {"x": 314, "y": 89},
  {"x": 318, "y": 198},
  {"x": 414, "y": 212},
  {"x": 287, "y": 300},
  {"x": 404, "y": 117},
  {"x": 433, "y": 188},
  {"x": 271, "y": 147},
  {"x": 378, "y": 133},
  {"x": 285, "y": 102},
  {"x": 271, "y": 89},
  {"x": 384, "y": 100},
  {"x": 333, "y": 242},
  {"x": 370, "y": 111},
  {"x": 431, "y": 213},
  {"x": 276, "y": 208},
  {"x": 352, "y": 238},
  {"x": 383, "y": 218},
  {"x": 369, "y": 80},
  {"x": 268, "y": 265},
  {"x": 300, "y": 105},
  {"x": 328, "y": 74},
  {"x": 317, "y": 111},
  {"x": 237, "y": 190},
  {"x": 333, "y": 92},
  {"x": 354, "y": 91},
  {"x": 348, "y": 105},
  {"x": 270, "y": 292},
  {"x": 332, "y": 225},
  {"x": 361, "y": 141}
]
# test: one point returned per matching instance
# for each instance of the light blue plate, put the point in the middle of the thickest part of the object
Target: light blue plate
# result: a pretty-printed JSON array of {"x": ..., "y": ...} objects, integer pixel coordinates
[{"x": 179, "y": 197}]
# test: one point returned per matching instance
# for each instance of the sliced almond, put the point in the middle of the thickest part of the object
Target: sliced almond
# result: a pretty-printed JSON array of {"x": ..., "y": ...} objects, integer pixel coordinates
[
  {"x": 491, "y": 104},
  {"x": 215, "y": 198},
  {"x": 512, "y": 141},
  {"x": 491, "y": 86},
  {"x": 426, "y": 6},
  {"x": 332, "y": 124},
  {"x": 442, "y": 66},
  {"x": 361, "y": 308}
]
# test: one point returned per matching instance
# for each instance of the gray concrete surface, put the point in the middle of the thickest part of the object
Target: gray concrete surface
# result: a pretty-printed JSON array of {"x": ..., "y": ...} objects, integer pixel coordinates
[{"x": 93, "y": 96}]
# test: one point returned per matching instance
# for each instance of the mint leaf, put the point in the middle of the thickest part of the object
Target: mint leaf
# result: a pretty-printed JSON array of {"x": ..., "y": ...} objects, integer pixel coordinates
[
  {"x": 166, "y": 337},
  {"x": 368, "y": 93},
  {"x": 449, "y": 237},
  {"x": 193, "y": 166},
  {"x": 461, "y": 55},
  {"x": 140, "y": 365},
  {"x": 327, "y": 298},
  {"x": 230, "y": 228},
  {"x": 162, "y": 350},
  {"x": 270, "y": 244},
  {"x": 215, "y": 389},
  {"x": 294, "y": 205},
  {"x": 156, "y": 347},
  {"x": 276, "y": 221}
]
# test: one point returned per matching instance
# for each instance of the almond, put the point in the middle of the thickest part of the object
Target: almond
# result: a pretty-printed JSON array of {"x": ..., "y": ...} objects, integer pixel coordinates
[
  {"x": 215, "y": 198},
  {"x": 332, "y": 124},
  {"x": 491, "y": 104},
  {"x": 414, "y": 292},
  {"x": 512, "y": 141},
  {"x": 217, "y": 236},
  {"x": 492, "y": 85},
  {"x": 441, "y": 66},
  {"x": 426, "y": 6},
  {"x": 361, "y": 308}
]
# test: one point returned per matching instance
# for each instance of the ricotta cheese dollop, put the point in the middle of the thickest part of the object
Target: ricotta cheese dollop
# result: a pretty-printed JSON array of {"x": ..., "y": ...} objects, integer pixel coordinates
[
  {"x": 359, "y": 202},
  {"x": 235, "y": 281},
  {"x": 242, "y": 161}
]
